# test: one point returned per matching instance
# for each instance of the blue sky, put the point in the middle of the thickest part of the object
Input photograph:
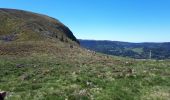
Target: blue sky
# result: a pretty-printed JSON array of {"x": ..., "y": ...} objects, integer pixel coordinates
[{"x": 120, "y": 20}]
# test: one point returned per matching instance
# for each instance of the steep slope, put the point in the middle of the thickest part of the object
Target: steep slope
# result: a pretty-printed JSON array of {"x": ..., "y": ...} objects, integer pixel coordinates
[{"x": 18, "y": 25}]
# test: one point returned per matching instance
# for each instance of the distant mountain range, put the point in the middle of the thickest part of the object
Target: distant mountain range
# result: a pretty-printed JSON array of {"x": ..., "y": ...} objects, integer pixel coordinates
[{"x": 127, "y": 49}]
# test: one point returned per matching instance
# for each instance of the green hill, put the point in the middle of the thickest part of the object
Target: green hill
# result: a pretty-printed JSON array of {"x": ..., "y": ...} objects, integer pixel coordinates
[
  {"x": 40, "y": 61},
  {"x": 18, "y": 25}
]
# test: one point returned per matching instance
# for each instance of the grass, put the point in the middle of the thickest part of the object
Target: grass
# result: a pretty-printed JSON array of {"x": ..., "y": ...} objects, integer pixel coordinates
[
  {"x": 138, "y": 50},
  {"x": 83, "y": 76}
]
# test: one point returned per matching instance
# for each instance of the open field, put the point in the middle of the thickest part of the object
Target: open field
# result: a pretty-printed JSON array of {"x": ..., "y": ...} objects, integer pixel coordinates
[{"x": 83, "y": 75}]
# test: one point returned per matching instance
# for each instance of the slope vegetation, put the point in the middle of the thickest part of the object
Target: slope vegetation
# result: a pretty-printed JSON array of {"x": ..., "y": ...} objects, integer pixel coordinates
[{"x": 18, "y": 25}]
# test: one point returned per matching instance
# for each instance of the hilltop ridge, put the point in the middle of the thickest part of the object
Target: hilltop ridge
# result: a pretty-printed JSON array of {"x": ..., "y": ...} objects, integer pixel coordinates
[{"x": 19, "y": 25}]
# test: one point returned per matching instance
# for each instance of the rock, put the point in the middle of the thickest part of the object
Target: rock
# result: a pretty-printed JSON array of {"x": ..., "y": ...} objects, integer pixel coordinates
[{"x": 2, "y": 95}]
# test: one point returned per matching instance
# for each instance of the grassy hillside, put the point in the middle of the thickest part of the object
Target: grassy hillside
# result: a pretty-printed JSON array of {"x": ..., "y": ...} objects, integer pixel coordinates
[
  {"x": 37, "y": 66},
  {"x": 80, "y": 75},
  {"x": 126, "y": 49},
  {"x": 18, "y": 25}
]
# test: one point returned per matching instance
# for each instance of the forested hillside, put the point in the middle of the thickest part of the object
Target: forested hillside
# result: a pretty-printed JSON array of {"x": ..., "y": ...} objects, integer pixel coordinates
[{"x": 126, "y": 49}]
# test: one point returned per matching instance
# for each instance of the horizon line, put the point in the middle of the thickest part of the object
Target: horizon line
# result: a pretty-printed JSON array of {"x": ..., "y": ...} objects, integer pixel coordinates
[{"x": 121, "y": 41}]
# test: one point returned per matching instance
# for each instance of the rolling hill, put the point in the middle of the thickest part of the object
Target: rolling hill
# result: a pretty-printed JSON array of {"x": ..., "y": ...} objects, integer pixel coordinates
[
  {"x": 41, "y": 59},
  {"x": 126, "y": 49},
  {"x": 18, "y": 25}
]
